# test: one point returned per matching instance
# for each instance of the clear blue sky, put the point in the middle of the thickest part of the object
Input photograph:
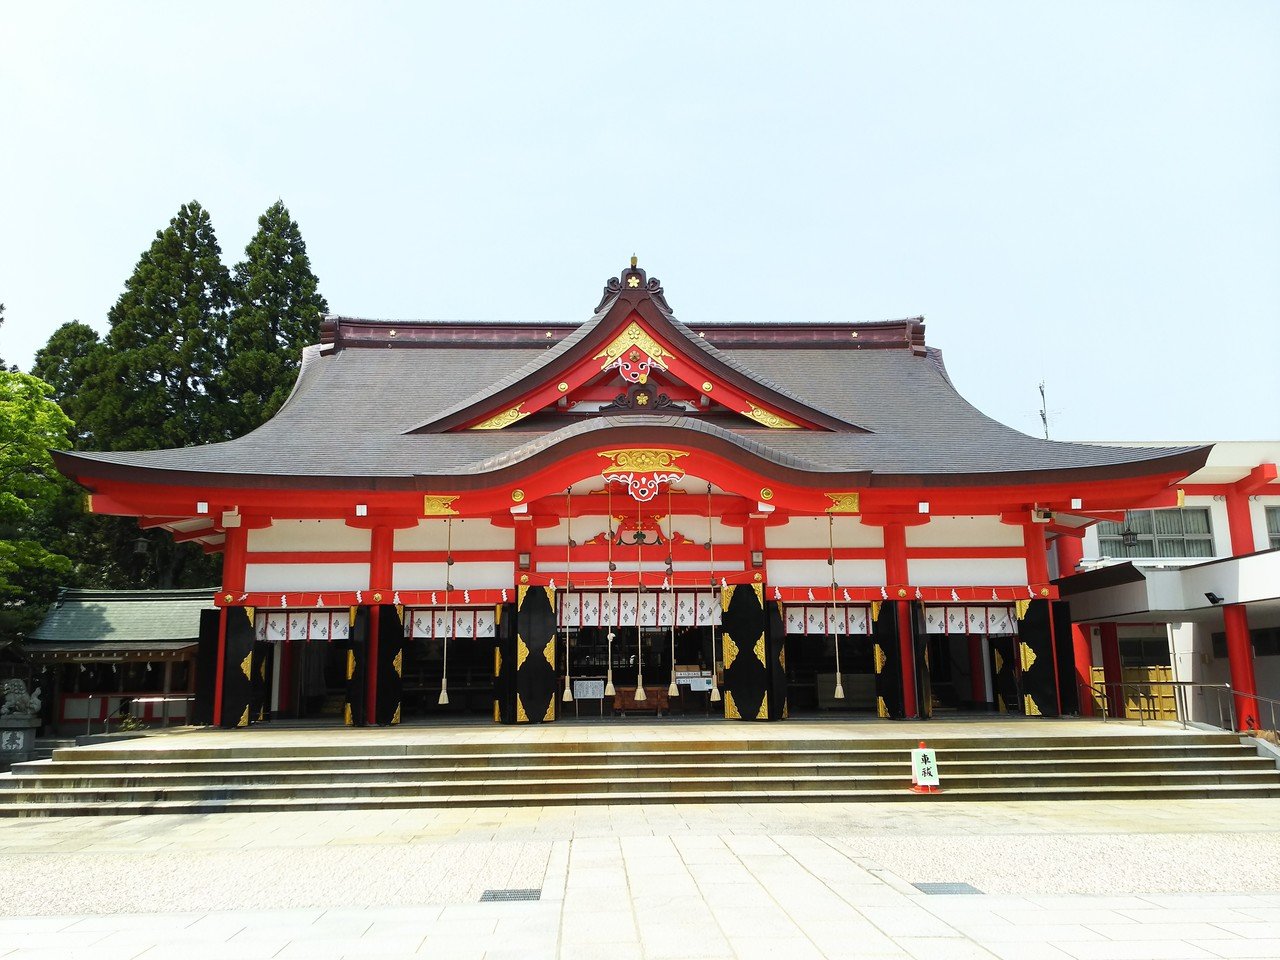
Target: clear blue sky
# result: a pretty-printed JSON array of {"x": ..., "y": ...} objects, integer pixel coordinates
[{"x": 1082, "y": 193}]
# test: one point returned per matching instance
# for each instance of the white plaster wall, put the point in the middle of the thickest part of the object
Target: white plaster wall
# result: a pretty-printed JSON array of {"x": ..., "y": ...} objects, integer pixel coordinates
[
  {"x": 289, "y": 535},
  {"x": 464, "y": 576},
  {"x": 986, "y": 572},
  {"x": 472, "y": 533},
  {"x": 283, "y": 577},
  {"x": 964, "y": 532},
  {"x": 812, "y": 532},
  {"x": 811, "y": 573}
]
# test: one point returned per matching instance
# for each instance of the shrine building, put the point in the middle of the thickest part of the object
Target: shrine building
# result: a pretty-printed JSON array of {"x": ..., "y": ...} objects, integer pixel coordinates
[{"x": 632, "y": 515}]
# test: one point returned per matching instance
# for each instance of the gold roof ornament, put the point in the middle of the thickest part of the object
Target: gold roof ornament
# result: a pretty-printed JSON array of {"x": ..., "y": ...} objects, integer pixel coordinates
[
  {"x": 642, "y": 460},
  {"x": 434, "y": 505},
  {"x": 633, "y": 335}
]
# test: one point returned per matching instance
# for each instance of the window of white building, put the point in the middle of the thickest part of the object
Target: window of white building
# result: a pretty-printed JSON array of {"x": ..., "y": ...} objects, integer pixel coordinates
[
  {"x": 1174, "y": 532},
  {"x": 1273, "y": 526}
]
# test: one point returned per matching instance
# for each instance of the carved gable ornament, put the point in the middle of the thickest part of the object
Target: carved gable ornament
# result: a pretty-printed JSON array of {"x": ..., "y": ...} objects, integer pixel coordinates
[
  {"x": 642, "y": 472},
  {"x": 634, "y": 354}
]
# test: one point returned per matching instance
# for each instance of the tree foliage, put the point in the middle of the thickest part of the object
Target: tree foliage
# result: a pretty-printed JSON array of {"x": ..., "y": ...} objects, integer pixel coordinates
[
  {"x": 192, "y": 356},
  {"x": 72, "y": 359},
  {"x": 167, "y": 343},
  {"x": 31, "y": 425},
  {"x": 277, "y": 312}
]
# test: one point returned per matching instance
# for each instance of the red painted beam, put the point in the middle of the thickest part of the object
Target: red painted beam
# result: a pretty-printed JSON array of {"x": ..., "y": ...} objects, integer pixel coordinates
[{"x": 1259, "y": 477}]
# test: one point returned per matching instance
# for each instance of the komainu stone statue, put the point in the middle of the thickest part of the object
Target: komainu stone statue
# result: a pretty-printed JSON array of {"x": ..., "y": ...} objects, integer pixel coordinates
[{"x": 19, "y": 703}]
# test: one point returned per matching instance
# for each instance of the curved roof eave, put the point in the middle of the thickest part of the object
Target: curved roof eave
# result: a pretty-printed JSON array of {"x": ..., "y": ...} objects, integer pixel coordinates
[{"x": 637, "y": 430}]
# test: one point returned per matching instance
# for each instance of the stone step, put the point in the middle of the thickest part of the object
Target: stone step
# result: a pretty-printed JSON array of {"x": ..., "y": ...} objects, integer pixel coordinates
[
  {"x": 57, "y": 776},
  {"x": 899, "y": 794},
  {"x": 658, "y": 787},
  {"x": 895, "y": 744},
  {"x": 1152, "y": 752}
]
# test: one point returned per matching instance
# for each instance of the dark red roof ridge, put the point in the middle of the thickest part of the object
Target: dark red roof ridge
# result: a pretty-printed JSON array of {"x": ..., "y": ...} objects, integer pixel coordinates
[{"x": 867, "y": 334}]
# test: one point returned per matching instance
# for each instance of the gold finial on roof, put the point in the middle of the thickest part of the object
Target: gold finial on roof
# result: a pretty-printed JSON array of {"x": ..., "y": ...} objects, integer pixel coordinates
[{"x": 634, "y": 261}]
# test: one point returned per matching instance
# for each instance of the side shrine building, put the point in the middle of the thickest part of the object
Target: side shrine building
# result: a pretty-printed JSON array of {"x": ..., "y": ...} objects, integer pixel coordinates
[{"x": 631, "y": 514}]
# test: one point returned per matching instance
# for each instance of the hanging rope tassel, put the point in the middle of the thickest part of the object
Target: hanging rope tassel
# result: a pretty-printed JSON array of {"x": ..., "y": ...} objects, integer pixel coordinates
[
  {"x": 673, "y": 690},
  {"x": 831, "y": 559},
  {"x": 711, "y": 548},
  {"x": 567, "y": 697},
  {"x": 609, "y": 690},
  {"x": 443, "y": 699},
  {"x": 640, "y": 694}
]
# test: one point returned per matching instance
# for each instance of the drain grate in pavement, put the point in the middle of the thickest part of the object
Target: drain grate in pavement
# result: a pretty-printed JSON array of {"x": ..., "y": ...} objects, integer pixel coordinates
[
  {"x": 945, "y": 888},
  {"x": 519, "y": 893}
]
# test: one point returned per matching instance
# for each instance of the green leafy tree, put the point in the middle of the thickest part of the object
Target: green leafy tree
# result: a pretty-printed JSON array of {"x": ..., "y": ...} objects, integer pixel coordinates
[
  {"x": 277, "y": 312},
  {"x": 31, "y": 425},
  {"x": 167, "y": 343}
]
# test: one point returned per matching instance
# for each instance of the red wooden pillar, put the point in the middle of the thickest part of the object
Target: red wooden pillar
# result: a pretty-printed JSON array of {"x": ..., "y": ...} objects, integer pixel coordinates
[
  {"x": 1082, "y": 646},
  {"x": 895, "y": 569},
  {"x": 1111, "y": 668},
  {"x": 1069, "y": 551},
  {"x": 1239, "y": 523},
  {"x": 220, "y": 669},
  {"x": 233, "y": 572},
  {"x": 286, "y": 677},
  {"x": 1240, "y": 659},
  {"x": 381, "y": 544},
  {"x": 977, "y": 672}
]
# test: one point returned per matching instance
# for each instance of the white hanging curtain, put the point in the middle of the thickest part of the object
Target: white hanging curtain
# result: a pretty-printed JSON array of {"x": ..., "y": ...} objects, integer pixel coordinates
[
  {"x": 656, "y": 609},
  {"x": 276, "y": 626},
  {"x": 461, "y": 623},
  {"x": 827, "y": 620},
  {"x": 989, "y": 620}
]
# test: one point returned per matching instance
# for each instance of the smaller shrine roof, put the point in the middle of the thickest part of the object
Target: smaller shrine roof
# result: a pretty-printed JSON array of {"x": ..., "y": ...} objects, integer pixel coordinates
[{"x": 128, "y": 617}]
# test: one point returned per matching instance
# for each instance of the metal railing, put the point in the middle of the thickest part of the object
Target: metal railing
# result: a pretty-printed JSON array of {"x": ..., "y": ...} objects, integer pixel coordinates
[
  {"x": 1146, "y": 696},
  {"x": 1147, "y": 701}
]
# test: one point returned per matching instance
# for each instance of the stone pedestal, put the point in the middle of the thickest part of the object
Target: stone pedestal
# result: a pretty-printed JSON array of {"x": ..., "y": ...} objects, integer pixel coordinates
[{"x": 17, "y": 739}]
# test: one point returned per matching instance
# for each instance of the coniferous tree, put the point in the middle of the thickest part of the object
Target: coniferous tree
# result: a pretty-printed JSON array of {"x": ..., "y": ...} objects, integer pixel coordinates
[
  {"x": 151, "y": 384},
  {"x": 71, "y": 362},
  {"x": 277, "y": 312},
  {"x": 167, "y": 343}
]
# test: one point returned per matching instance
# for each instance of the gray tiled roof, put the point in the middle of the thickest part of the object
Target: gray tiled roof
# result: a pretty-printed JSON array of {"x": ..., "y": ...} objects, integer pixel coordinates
[
  {"x": 125, "y": 616},
  {"x": 350, "y": 412}
]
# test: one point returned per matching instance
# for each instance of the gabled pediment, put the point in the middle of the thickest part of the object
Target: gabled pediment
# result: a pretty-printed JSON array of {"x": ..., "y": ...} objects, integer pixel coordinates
[{"x": 633, "y": 357}]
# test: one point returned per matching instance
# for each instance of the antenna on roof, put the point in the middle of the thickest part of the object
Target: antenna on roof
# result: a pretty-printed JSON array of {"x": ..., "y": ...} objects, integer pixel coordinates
[{"x": 1044, "y": 412}]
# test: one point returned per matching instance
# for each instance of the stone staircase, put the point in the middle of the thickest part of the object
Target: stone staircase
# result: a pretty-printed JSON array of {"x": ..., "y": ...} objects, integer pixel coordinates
[{"x": 332, "y": 776}]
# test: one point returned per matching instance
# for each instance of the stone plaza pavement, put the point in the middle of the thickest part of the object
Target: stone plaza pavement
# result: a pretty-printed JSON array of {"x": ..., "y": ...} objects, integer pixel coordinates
[{"x": 1089, "y": 880}]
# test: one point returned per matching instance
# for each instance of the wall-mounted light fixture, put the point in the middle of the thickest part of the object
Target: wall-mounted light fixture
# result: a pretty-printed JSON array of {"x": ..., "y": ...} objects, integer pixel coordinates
[{"x": 1213, "y": 598}]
